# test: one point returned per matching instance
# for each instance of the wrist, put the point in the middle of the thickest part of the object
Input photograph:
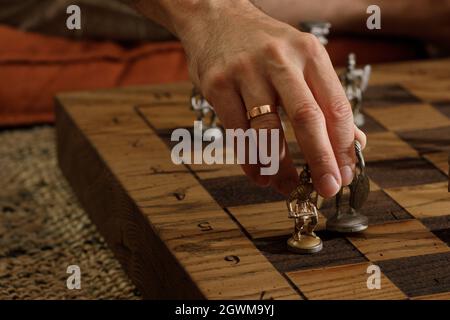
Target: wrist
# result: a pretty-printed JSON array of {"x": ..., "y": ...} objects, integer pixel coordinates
[{"x": 183, "y": 17}]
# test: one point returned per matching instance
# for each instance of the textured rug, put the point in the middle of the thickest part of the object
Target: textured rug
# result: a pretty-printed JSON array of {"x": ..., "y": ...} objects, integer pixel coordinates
[{"x": 43, "y": 230}]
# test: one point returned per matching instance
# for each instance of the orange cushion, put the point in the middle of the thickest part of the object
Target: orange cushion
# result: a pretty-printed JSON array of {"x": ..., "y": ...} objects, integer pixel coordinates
[{"x": 34, "y": 67}]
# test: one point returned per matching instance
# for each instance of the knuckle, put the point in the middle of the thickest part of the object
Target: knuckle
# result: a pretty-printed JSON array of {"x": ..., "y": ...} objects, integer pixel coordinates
[
  {"x": 307, "y": 112},
  {"x": 274, "y": 51},
  {"x": 339, "y": 111},
  {"x": 311, "y": 46}
]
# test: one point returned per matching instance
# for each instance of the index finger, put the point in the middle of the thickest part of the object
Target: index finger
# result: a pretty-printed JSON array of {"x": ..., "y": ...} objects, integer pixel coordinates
[{"x": 310, "y": 129}]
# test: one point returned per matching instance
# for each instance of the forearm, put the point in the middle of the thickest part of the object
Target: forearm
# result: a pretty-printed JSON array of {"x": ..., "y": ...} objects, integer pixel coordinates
[
  {"x": 424, "y": 19},
  {"x": 178, "y": 16}
]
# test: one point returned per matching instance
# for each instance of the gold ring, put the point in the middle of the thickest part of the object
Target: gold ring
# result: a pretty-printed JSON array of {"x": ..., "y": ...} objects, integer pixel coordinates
[{"x": 260, "y": 110}]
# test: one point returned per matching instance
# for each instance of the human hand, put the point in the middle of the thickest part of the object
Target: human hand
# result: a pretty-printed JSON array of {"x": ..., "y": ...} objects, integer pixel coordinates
[{"x": 241, "y": 58}]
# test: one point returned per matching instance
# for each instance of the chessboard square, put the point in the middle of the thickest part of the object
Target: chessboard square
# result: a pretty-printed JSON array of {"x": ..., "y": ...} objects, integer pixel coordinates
[
  {"x": 409, "y": 117},
  {"x": 336, "y": 251},
  {"x": 385, "y": 146},
  {"x": 396, "y": 240},
  {"x": 234, "y": 191},
  {"x": 379, "y": 208},
  {"x": 348, "y": 282},
  {"x": 388, "y": 94},
  {"x": 419, "y": 275},
  {"x": 428, "y": 140},
  {"x": 403, "y": 172},
  {"x": 439, "y": 160},
  {"x": 422, "y": 201},
  {"x": 267, "y": 220}
]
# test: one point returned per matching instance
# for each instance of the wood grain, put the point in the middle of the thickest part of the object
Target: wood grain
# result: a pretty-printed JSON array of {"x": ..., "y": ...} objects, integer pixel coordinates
[
  {"x": 396, "y": 240},
  {"x": 347, "y": 282}
]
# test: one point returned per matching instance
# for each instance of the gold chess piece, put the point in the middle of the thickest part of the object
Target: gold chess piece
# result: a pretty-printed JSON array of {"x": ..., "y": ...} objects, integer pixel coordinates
[{"x": 302, "y": 206}]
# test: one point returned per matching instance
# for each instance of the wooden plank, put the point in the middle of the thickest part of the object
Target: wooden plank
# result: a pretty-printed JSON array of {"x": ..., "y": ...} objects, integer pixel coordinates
[
  {"x": 423, "y": 201},
  {"x": 343, "y": 283},
  {"x": 396, "y": 240},
  {"x": 409, "y": 117},
  {"x": 154, "y": 214}
]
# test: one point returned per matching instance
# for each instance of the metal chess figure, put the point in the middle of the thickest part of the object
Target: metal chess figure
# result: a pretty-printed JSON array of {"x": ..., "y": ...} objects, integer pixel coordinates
[
  {"x": 355, "y": 81},
  {"x": 302, "y": 208},
  {"x": 352, "y": 221},
  {"x": 317, "y": 28},
  {"x": 203, "y": 110}
]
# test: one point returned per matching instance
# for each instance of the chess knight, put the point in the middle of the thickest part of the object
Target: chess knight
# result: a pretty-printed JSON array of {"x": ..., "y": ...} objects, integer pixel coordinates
[{"x": 302, "y": 206}]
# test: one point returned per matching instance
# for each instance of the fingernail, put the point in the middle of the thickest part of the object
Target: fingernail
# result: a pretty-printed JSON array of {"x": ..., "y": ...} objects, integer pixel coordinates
[
  {"x": 328, "y": 185},
  {"x": 346, "y": 175}
]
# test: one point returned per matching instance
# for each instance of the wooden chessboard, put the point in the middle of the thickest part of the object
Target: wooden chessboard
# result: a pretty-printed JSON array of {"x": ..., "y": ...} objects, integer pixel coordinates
[{"x": 205, "y": 231}]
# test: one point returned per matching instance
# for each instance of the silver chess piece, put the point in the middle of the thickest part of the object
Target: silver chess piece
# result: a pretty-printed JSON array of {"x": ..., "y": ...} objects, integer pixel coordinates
[
  {"x": 355, "y": 81},
  {"x": 206, "y": 114},
  {"x": 318, "y": 28},
  {"x": 352, "y": 220}
]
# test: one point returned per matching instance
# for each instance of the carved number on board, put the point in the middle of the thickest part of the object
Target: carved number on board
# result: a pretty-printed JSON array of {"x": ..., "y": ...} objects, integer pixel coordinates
[
  {"x": 205, "y": 226},
  {"x": 234, "y": 259}
]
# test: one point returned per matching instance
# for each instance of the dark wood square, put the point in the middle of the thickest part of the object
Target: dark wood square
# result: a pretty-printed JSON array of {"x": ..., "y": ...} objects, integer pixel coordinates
[
  {"x": 337, "y": 250},
  {"x": 428, "y": 140},
  {"x": 419, "y": 275},
  {"x": 238, "y": 191},
  {"x": 403, "y": 172},
  {"x": 383, "y": 95},
  {"x": 380, "y": 208}
]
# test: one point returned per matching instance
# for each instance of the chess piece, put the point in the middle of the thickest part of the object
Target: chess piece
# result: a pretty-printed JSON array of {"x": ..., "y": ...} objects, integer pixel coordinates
[
  {"x": 352, "y": 220},
  {"x": 302, "y": 208},
  {"x": 206, "y": 114},
  {"x": 355, "y": 81},
  {"x": 317, "y": 28}
]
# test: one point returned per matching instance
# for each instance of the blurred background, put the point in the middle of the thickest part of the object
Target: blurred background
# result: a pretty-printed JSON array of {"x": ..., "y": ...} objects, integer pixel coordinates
[{"x": 115, "y": 47}]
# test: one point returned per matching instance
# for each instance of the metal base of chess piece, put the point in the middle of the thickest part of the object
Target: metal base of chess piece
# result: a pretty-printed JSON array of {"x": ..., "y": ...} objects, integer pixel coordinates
[
  {"x": 308, "y": 244},
  {"x": 352, "y": 221},
  {"x": 348, "y": 222},
  {"x": 302, "y": 208}
]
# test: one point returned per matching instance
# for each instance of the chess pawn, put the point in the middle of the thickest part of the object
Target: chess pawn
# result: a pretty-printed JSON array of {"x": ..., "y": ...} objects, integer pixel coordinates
[{"x": 302, "y": 208}]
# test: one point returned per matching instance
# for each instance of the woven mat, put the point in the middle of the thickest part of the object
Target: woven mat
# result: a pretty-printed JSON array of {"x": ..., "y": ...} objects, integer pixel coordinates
[{"x": 43, "y": 230}]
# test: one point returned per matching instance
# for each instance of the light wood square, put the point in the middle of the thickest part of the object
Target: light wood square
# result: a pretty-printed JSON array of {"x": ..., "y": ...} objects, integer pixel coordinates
[
  {"x": 347, "y": 282},
  {"x": 268, "y": 219},
  {"x": 409, "y": 117},
  {"x": 423, "y": 201},
  {"x": 437, "y": 296},
  {"x": 439, "y": 160},
  {"x": 397, "y": 240},
  {"x": 385, "y": 146}
]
